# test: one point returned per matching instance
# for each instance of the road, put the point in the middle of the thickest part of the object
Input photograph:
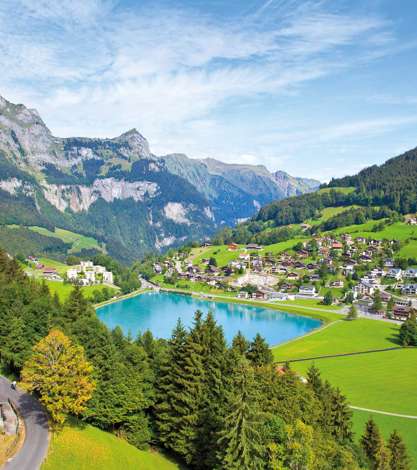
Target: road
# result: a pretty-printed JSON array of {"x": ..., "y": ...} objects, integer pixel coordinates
[{"x": 33, "y": 451}]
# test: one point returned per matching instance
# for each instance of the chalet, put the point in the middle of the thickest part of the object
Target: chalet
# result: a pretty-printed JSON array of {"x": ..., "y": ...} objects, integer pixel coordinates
[
  {"x": 337, "y": 246},
  {"x": 409, "y": 289},
  {"x": 232, "y": 246},
  {"x": 244, "y": 257},
  {"x": 157, "y": 268},
  {"x": 395, "y": 273},
  {"x": 410, "y": 273},
  {"x": 307, "y": 290},
  {"x": 253, "y": 246},
  {"x": 363, "y": 288},
  {"x": 401, "y": 312},
  {"x": 292, "y": 276},
  {"x": 385, "y": 297},
  {"x": 243, "y": 295},
  {"x": 389, "y": 263},
  {"x": 337, "y": 284}
]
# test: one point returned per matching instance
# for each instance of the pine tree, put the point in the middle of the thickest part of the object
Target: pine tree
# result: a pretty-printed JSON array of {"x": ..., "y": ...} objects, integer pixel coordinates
[
  {"x": 77, "y": 306},
  {"x": 399, "y": 457},
  {"x": 314, "y": 380},
  {"x": 341, "y": 421},
  {"x": 408, "y": 331},
  {"x": 214, "y": 363},
  {"x": 240, "y": 343},
  {"x": 382, "y": 457},
  {"x": 259, "y": 352},
  {"x": 179, "y": 394},
  {"x": 240, "y": 439},
  {"x": 353, "y": 313},
  {"x": 371, "y": 441}
]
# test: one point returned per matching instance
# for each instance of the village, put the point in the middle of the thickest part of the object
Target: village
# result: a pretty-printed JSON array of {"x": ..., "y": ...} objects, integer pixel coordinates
[{"x": 336, "y": 270}]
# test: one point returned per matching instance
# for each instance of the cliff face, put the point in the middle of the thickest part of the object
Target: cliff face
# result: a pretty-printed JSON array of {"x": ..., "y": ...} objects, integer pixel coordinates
[{"x": 118, "y": 191}]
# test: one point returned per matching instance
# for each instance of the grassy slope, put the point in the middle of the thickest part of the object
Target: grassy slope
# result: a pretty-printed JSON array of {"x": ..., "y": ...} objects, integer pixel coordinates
[
  {"x": 384, "y": 381},
  {"x": 64, "y": 290},
  {"x": 341, "y": 337},
  {"x": 78, "y": 241},
  {"x": 88, "y": 448}
]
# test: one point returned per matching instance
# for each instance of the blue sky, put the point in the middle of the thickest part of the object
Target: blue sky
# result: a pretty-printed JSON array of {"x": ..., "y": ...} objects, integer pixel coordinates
[{"x": 316, "y": 88}]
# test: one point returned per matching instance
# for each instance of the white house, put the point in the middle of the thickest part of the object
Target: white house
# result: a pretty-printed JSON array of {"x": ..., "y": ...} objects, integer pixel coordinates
[
  {"x": 308, "y": 290},
  {"x": 86, "y": 273},
  {"x": 395, "y": 273}
]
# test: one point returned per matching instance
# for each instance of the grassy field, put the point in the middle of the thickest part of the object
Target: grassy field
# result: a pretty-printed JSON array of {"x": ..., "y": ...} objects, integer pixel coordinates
[
  {"x": 51, "y": 263},
  {"x": 88, "y": 448},
  {"x": 341, "y": 337},
  {"x": 409, "y": 250},
  {"x": 384, "y": 381},
  {"x": 78, "y": 241},
  {"x": 328, "y": 213},
  {"x": 346, "y": 190},
  {"x": 64, "y": 290},
  {"x": 386, "y": 424}
]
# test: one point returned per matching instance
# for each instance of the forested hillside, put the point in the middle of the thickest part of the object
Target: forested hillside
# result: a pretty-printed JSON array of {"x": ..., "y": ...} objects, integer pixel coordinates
[{"x": 375, "y": 193}]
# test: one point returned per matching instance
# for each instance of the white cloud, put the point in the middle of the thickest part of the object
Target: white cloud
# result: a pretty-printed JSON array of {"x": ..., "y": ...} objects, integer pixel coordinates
[{"x": 94, "y": 67}]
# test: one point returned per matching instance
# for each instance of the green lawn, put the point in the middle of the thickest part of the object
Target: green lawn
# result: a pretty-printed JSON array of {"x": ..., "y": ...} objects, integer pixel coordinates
[
  {"x": 314, "y": 303},
  {"x": 346, "y": 190},
  {"x": 88, "y": 448},
  {"x": 406, "y": 427},
  {"x": 51, "y": 263},
  {"x": 340, "y": 337},
  {"x": 409, "y": 250},
  {"x": 222, "y": 254},
  {"x": 329, "y": 212},
  {"x": 396, "y": 231},
  {"x": 78, "y": 241},
  {"x": 64, "y": 290}
]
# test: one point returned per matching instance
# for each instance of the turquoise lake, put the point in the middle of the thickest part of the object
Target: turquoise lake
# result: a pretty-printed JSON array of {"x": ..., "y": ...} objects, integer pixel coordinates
[{"x": 159, "y": 312}]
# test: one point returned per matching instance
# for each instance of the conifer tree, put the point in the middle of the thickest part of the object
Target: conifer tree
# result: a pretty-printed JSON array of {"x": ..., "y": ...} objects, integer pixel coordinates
[
  {"x": 371, "y": 441},
  {"x": 240, "y": 438},
  {"x": 382, "y": 457},
  {"x": 399, "y": 457},
  {"x": 179, "y": 394},
  {"x": 408, "y": 331},
  {"x": 314, "y": 380},
  {"x": 353, "y": 313},
  {"x": 341, "y": 422},
  {"x": 259, "y": 352},
  {"x": 77, "y": 306},
  {"x": 240, "y": 343}
]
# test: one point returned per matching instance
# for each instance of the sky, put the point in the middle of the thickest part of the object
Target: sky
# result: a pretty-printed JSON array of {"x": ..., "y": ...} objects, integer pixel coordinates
[{"x": 315, "y": 88}]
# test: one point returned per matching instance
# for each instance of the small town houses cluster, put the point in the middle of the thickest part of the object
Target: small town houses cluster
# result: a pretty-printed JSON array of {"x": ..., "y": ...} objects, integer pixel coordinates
[
  {"x": 84, "y": 274},
  {"x": 355, "y": 269}
]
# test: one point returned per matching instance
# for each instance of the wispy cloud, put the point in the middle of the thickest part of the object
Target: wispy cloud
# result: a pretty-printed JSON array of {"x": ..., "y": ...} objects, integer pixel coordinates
[{"x": 98, "y": 67}]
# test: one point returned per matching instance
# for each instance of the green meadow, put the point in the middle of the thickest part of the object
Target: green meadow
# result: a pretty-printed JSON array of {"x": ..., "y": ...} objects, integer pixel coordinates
[
  {"x": 78, "y": 447},
  {"x": 64, "y": 290},
  {"x": 78, "y": 241}
]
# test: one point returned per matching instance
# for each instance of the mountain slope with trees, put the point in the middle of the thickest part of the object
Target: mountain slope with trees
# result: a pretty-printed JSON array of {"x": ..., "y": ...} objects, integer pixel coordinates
[
  {"x": 120, "y": 193},
  {"x": 377, "y": 192}
]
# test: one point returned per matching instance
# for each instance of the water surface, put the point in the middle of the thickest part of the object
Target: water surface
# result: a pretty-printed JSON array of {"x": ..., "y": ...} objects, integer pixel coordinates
[{"x": 159, "y": 312}]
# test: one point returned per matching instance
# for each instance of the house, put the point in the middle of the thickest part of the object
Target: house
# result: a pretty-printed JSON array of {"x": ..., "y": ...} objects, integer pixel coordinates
[
  {"x": 244, "y": 257},
  {"x": 401, "y": 312},
  {"x": 410, "y": 273},
  {"x": 292, "y": 276},
  {"x": 389, "y": 263},
  {"x": 409, "y": 289},
  {"x": 307, "y": 290},
  {"x": 337, "y": 246},
  {"x": 243, "y": 295},
  {"x": 86, "y": 273},
  {"x": 338, "y": 283},
  {"x": 232, "y": 246},
  {"x": 395, "y": 273},
  {"x": 253, "y": 246}
]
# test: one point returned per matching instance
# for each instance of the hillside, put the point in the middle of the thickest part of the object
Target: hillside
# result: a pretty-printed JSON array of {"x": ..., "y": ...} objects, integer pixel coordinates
[
  {"x": 118, "y": 192},
  {"x": 84, "y": 447},
  {"x": 376, "y": 193}
]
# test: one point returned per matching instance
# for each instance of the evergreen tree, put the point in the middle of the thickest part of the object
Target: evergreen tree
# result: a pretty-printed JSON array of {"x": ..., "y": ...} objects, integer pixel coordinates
[
  {"x": 399, "y": 457},
  {"x": 382, "y": 457},
  {"x": 259, "y": 352},
  {"x": 377, "y": 306},
  {"x": 341, "y": 421},
  {"x": 371, "y": 441},
  {"x": 179, "y": 395},
  {"x": 240, "y": 343},
  {"x": 314, "y": 380},
  {"x": 408, "y": 332},
  {"x": 328, "y": 298},
  {"x": 353, "y": 313},
  {"x": 77, "y": 306},
  {"x": 240, "y": 436}
]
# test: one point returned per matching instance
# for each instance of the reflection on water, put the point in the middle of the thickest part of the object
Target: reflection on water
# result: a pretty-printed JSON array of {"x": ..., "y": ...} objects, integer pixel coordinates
[{"x": 159, "y": 312}]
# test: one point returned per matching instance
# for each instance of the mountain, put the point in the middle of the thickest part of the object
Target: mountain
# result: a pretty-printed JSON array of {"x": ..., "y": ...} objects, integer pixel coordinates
[
  {"x": 377, "y": 192},
  {"x": 119, "y": 192}
]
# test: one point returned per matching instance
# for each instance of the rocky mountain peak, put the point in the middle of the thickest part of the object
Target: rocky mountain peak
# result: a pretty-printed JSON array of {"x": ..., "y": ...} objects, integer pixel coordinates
[{"x": 136, "y": 141}]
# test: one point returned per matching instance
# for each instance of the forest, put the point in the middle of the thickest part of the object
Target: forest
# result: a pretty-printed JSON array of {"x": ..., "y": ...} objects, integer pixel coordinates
[{"x": 209, "y": 404}]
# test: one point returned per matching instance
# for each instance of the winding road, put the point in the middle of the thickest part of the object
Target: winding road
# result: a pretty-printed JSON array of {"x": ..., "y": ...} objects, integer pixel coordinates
[{"x": 33, "y": 450}]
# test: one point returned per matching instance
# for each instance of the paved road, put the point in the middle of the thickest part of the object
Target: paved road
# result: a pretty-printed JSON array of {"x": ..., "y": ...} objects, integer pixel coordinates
[{"x": 33, "y": 451}]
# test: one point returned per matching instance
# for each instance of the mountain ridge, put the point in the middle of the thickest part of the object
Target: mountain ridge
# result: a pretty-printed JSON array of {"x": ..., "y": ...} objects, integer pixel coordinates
[{"x": 83, "y": 183}]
